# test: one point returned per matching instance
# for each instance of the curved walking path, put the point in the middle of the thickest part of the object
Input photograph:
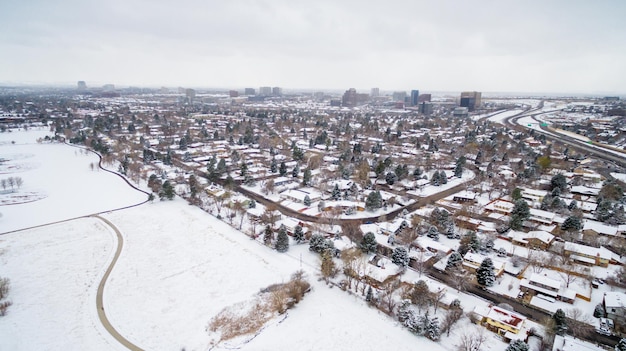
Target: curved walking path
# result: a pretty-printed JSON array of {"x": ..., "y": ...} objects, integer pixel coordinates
[{"x": 99, "y": 295}]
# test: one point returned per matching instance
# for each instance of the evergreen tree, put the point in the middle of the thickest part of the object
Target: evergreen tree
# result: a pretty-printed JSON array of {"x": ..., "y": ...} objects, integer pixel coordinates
[
  {"x": 572, "y": 223},
  {"x": 621, "y": 345},
  {"x": 282, "y": 170},
  {"x": 400, "y": 256},
  {"x": 252, "y": 204},
  {"x": 432, "y": 330},
  {"x": 516, "y": 194},
  {"x": 273, "y": 166},
  {"x": 307, "y": 200},
  {"x": 298, "y": 234},
  {"x": 598, "y": 312},
  {"x": 391, "y": 178},
  {"x": 455, "y": 260},
  {"x": 443, "y": 178},
  {"x": 282, "y": 240},
  {"x": 368, "y": 243},
  {"x": 435, "y": 179},
  {"x": 296, "y": 171},
  {"x": 560, "y": 322},
  {"x": 336, "y": 194},
  {"x": 167, "y": 191},
  {"x": 221, "y": 167},
  {"x": 243, "y": 169},
  {"x": 210, "y": 168},
  {"x": 306, "y": 177},
  {"x": 433, "y": 233},
  {"x": 485, "y": 275},
  {"x": 517, "y": 345},
  {"x": 268, "y": 235},
  {"x": 374, "y": 201},
  {"x": 519, "y": 214},
  {"x": 318, "y": 244},
  {"x": 573, "y": 205},
  {"x": 370, "y": 294},
  {"x": 558, "y": 181}
]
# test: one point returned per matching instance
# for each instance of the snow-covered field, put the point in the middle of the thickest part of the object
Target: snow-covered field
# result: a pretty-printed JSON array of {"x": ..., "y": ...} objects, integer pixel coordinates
[
  {"x": 179, "y": 266},
  {"x": 54, "y": 272},
  {"x": 62, "y": 176}
]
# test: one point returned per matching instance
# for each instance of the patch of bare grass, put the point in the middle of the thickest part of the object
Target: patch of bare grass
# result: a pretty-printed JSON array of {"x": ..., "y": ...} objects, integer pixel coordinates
[{"x": 249, "y": 317}]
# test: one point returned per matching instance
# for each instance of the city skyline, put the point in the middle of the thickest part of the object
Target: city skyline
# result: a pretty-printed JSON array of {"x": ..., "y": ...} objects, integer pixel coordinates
[{"x": 555, "y": 47}]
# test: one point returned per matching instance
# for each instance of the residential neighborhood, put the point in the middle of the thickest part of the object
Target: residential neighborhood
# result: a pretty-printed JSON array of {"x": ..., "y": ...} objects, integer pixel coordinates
[{"x": 414, "y": 212}]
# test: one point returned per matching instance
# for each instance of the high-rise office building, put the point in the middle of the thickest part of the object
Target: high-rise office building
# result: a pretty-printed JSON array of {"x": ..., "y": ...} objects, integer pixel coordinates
[
  {"x": 399, "y": 96},
  {"x": 82, "y": 85},
  {"x": 375, "y": 92},
  {"x": 414, "y": 97},
  {"x": 349, "y": 98},
  {"x": 249, "y": 91},
  {"x": 424, "y": 98},
  {"x": 265, "y": 91},
  {"x": 276, "y": 91},
  {"x": 470, "y": 99}
]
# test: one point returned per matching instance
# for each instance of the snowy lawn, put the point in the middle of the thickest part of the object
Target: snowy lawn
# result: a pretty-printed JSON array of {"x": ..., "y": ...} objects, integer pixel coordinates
[
  {"x": 60, "y": 180},
  {"x": 54, "y": 273}
]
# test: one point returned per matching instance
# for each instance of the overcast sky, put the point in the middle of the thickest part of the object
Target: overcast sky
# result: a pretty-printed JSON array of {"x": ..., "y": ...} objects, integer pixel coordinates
[{"x": 555, "y": 46}]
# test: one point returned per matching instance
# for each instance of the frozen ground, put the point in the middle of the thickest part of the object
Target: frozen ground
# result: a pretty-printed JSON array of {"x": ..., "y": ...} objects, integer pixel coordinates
[
  {"x": 54, "y": 272},
  {"x": 63, "y": 178}
]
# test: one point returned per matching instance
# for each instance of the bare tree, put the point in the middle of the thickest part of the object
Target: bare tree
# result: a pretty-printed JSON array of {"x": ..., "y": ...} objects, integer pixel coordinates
[
  {"x": 472, "y": 341},
  {"x": 240, "y": 209},
  {"x": 452, "y": 316},
  {"x": 579, "y": 323},
  {"x": 571, "y": 273},
  {"x": 421, "y": 265},
  {"x": 436, "y": 297},
  {"x": 459, "y": 279},
  {"x": 350, "y": 259},
  {"x": 388, "y": 302}
]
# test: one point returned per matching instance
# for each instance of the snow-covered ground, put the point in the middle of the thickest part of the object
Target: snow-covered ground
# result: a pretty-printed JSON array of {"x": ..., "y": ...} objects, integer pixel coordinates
[
  {"x": 62, "y": 176},
  {"x": 54, "y": 272}
]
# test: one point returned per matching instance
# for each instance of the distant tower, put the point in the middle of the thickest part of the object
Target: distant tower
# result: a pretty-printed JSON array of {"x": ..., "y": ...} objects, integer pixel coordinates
[
  {"x": 190, "y": 94},
  {"x": 349, "y": 98},
  {"x": 375, "y": 92},
  {"x": 265, "y": 91},
  {"x": 471, "y": 100},
  {"x": 414, "y": 97},
  {"x": 399, "y": 96},
  {"x": 82, "y": 86},
  {"x": 277, "y": 91},
  {"x": 249, "y": 91}
]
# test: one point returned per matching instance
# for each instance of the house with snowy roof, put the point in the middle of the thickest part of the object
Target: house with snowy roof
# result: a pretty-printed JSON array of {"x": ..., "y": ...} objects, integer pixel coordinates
[
  {"x": 542, "y": 285},
  {"x": 472, "y": 260},
  {"x": 588, "y": 255},
  {"x": 569, "y": 343},
  {"x": 534, "y": 239},
  {"x": 505, "y": 323},
  {"x": 599, "y": 228},
  {"x": 615, "y": 308}
]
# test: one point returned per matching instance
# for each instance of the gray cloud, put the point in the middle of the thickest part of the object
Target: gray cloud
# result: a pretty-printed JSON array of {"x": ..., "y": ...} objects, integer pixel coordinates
[{"x": 568, "y": 46}]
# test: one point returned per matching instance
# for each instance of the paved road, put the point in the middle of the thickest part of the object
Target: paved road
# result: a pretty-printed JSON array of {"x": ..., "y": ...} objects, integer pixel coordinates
[
  {"x": 423, "y": 201},
  {"x": 99, "y": 296},
  {"x": 571, "y": 142}
]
